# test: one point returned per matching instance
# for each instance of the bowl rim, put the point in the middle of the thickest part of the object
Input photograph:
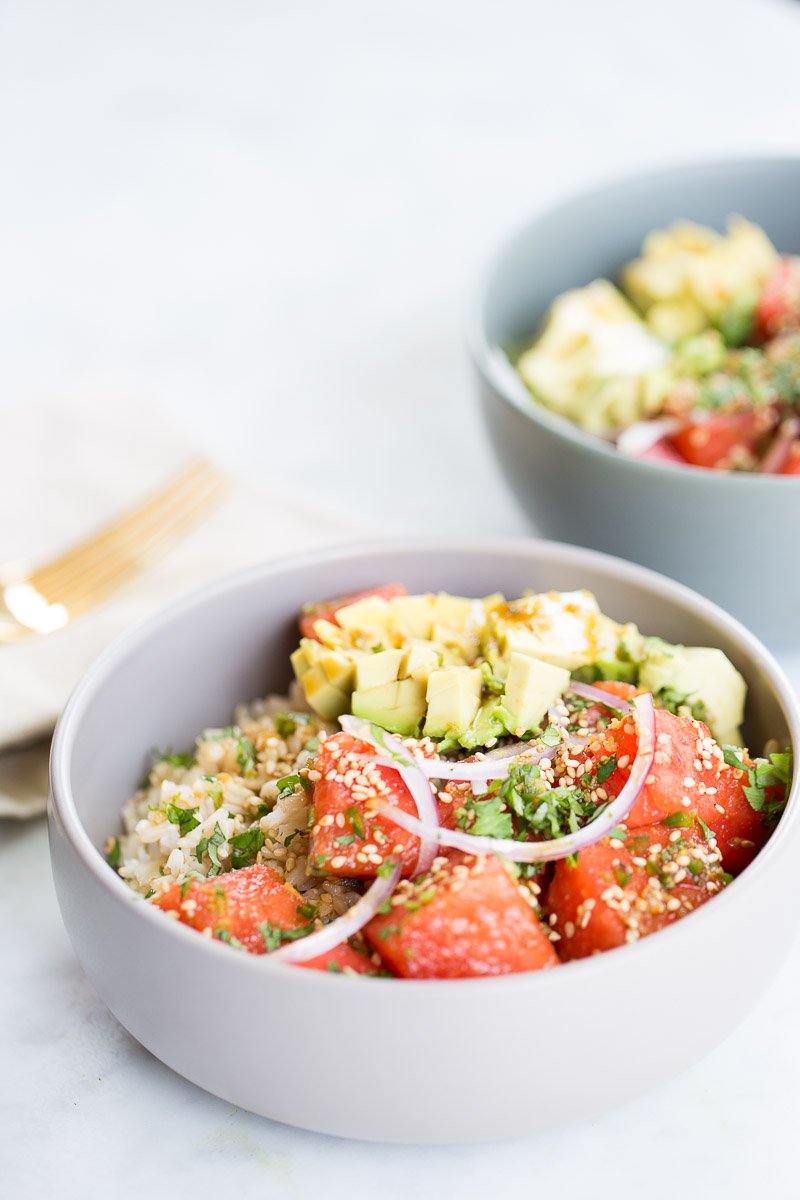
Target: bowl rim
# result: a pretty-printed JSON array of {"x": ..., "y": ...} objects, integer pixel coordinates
[
  {"x": 62, "y": 803},
  {"x": 493, "y": 365}
]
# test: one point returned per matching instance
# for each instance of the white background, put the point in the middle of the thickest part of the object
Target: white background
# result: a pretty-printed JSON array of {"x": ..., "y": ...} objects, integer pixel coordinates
[{"x": 265, "y": 219}]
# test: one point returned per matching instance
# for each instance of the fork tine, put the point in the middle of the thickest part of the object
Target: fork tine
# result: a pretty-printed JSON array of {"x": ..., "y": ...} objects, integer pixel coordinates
[
  {"x": 123, "y": 543},
  {"x": 91, "y": 585}
]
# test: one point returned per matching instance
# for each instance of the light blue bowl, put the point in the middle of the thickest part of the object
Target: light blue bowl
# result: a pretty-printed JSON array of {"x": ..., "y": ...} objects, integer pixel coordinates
[{"x": 733, "y": 537}]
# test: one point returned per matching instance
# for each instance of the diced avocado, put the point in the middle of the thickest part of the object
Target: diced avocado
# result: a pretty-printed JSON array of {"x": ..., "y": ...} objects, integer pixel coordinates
[
  {"x": 701, "y": 673},
  {"x": 453, "y": 696},
  {"x": 591, "y": 357},
  {"x": 487, "y": 727},
  {"x": 330, "y": 634},
  {"x": 689, "y": 277},
  {"x": 373, "y": 614},
  {"x": 398, "y": 707},
  {"x": 413, "y": 615},
  {"x": 299, "y": 660},
  {"x": 455, "y": 612},
  {"x": 421, "y": 658},
  {"x": 339, "y": 670},
  {"x": 326, "y": 677},
  {"x": 372, "y": 670},
  {"x": 532, "y": 686},
  {"x": 326, "y": 699}
]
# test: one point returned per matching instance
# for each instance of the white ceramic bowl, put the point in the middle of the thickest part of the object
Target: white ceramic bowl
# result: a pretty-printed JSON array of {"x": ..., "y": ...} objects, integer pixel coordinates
[{"x": 384, "y": 1059}]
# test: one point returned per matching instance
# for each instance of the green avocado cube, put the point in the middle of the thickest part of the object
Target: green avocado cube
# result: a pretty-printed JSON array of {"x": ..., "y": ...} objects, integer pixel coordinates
[
  {"x": 454, "y": 697},
  {"x": 398, "y": 707},
  {"x": 532, "y": 687},
  {"x": 413, "y": 615},
  {"x": 372, "y": 670},
  {"x": 700, "y": 673}
]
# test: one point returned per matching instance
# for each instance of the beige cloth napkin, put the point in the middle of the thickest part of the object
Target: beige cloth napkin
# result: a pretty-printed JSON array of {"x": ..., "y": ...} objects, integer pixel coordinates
[{"x": 70, "y": 469}]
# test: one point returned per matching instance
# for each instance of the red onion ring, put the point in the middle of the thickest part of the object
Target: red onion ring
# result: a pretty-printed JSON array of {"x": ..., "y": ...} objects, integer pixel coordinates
[
  {"x": 599, "y": 696},
  {"x": 637, "y": 439},
  {"x": 774, "y": 458},
  {"x": 571, "y": 843},
  {"x": 408, "y": 767},
  {"x": 322, "y": 941}
]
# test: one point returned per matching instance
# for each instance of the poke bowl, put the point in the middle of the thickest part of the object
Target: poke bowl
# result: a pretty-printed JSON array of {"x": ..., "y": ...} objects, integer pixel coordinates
[
  {"x": 261, "y": 934},
  {"x": 638, "y": 359}
]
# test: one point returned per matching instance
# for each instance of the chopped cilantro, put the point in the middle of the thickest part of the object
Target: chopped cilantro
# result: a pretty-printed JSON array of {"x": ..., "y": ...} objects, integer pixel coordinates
[
  {"x": 288, "y": 785},
  {"x": 763, "y": 774},
  {"x": 679, "y": 820},
  {"x": 224, "y": 935},
  {"x": 114, "y": 853},
  {"x": 346, "y": 839},
  {"x": 619, "y": 833},
  {"x": 215, "y": 791},
  {"x": 707, "y": 834},
  {"x": 274, "y": 936},
  {"x": 606, "y": 768},
  {"x": 677, "y": 703},
  {"x": 353, "y": 814},
  {"x": 492, "y": 818},
  {"x": 185, "y": 760},
  {"x": 246, "y": 846},
  {"x": 184, "y": 818},
  {"x": 309, "y": 911},
  {"x": 386, "y": 868},
  {"x": 287, "y": 723},
  {"x": 211, "y": 845},
  {"x": 389, "y": 931},
  {"x": 551, "y": 737},
  {"x": 246, "y": 756}
]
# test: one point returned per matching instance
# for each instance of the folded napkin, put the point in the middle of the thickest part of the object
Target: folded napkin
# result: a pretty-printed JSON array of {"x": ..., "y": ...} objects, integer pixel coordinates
[{"x": 73, "y": 468}]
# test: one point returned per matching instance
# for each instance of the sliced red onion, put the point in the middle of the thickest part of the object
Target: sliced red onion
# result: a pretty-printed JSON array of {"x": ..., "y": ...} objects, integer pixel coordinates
[
  {"x": 408, "y": 767},
  {"x": 571, "y": 843},
  {"x": 597, "y": 695},
  {"x": 322, "y": 941},
  {"x": 637, "y": 439},
  {"x": 774, "y": 458}
]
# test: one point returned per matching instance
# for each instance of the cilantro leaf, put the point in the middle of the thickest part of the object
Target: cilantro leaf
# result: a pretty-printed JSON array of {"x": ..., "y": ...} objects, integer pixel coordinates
[
  {"x": 246, "y": 846},
  {"x": 492, "y": 818},
  {"x": 184, "y": 818},
  {"x": 606, "y": 768},
  {"x": 274, "y": 936},
  {"x": 287, "y": 723},
  {"x": 211, "y": 845}
]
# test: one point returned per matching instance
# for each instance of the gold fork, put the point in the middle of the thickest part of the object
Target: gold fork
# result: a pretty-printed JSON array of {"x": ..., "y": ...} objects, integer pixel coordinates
[{"x": 53, "y": 595}]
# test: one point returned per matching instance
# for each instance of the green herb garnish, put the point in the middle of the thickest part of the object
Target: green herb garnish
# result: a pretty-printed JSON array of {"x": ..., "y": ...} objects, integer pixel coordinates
[
  {"x": 246, "y": 847},
  {"x": 184, "y": 818},
  {"x": 274, "y": 936},
  {"x": 679, "y": 820}
]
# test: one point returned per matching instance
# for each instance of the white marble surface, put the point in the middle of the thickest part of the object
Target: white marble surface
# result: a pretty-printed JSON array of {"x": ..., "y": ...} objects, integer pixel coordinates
[{"x": 265, "y": 217}]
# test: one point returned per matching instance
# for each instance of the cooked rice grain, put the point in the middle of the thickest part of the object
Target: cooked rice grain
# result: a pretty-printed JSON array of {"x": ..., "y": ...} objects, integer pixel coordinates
[{"x": 231, "y": 787}]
